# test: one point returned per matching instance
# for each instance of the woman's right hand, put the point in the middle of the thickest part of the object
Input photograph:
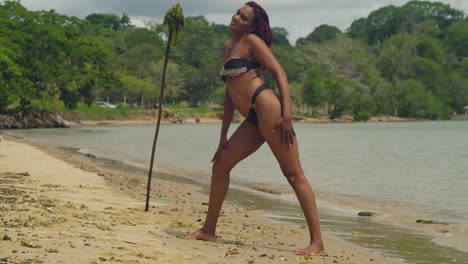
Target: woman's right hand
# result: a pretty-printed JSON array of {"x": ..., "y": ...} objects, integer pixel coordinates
[{"x": 223, "y": 145}]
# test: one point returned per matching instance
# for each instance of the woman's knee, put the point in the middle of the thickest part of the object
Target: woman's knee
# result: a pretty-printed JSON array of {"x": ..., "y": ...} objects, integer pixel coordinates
[
  {"x": 221, "y": 168},
  {"x": 294, "y": 175}
]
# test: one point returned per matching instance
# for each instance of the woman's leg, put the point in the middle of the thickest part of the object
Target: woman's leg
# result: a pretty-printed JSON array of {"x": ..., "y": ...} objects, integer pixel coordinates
[
  {"x": 268, "y": 112},
  {"x": 245, "y": 140}
]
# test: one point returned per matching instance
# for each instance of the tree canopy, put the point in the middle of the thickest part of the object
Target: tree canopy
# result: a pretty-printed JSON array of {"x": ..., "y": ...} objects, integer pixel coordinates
[{"x": 409, "y": 60}]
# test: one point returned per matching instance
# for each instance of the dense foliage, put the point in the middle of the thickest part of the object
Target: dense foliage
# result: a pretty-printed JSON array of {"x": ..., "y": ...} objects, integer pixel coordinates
[{"x": 409, "y": 61}]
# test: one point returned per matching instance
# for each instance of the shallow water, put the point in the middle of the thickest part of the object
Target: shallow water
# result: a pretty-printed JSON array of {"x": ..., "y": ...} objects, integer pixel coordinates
[{"x": 402, "y": 171}]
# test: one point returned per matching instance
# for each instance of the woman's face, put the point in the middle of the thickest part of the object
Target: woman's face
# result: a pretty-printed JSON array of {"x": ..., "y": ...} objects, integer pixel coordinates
[{"x": 242, "y": 20}]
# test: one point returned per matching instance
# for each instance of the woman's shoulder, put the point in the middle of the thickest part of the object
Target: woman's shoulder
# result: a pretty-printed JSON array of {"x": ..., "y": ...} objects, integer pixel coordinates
[{"x": 252, "y": 39}]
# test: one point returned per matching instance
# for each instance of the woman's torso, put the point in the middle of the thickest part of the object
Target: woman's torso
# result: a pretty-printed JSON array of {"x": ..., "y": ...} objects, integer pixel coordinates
[{"x": 242, "y": 86}]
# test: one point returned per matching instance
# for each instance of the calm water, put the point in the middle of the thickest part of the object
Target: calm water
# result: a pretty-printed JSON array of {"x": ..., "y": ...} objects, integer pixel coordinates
[{"x": 402, "y": 171}]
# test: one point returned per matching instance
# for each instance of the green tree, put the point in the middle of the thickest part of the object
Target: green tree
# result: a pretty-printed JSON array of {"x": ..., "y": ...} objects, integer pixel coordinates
[
  {"x": 199, "y": 84},
  {"x": 140, "y": 36},
  {"x": 125, "y": 20},
  {"x": 10, "y": 74},
  {"x": 314, "y": 93},
  {"x": 416, "y": 101},
  {"x": 430, "y": 73},
  {"x": 395, "y": 56},
  {"x": 442, "y": 14},
  {"x": 280, "y": 37},
  {"x": 323, "y": 33},
  {"x": 457, "y": 89},
  {"x": 358, "y": 29},
  {"x": 111, "y": 21},
  {"x": 457, "y": 38},
  {"x": 387, "y": 21}
]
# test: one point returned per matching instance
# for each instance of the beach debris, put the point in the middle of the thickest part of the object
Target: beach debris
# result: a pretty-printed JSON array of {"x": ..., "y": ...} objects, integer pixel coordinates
[
  {"x": 305, "y": 260},
  {"x": 231, "y": 251},
  {"x": 366, "y": 213},
  {"x": 104, "y": 227},
  {"x": 51, "y": 250},
  {"x": 430, "y": 222},
  {"x": 89, "y": 155},
  {"x": 356, "y": 234},
  {"x": 422, "y": 221},
  {"x": 6, "y": 238},
  {"x": 6, "y": 260},
  {"x": 29, "y": 245}
]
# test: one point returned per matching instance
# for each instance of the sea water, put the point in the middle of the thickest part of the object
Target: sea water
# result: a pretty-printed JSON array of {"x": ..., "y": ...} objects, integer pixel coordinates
[{"x": 402, "y": 171}]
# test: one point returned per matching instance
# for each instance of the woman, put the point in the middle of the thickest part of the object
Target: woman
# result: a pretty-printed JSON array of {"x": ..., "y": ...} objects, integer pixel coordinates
[{"x": 268, "y": 119}]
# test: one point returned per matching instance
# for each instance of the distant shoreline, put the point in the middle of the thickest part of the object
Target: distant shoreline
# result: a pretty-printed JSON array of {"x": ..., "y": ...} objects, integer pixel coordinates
[
  {"x": 201, "y": 119},
  {"x": 58, "y": 119}
]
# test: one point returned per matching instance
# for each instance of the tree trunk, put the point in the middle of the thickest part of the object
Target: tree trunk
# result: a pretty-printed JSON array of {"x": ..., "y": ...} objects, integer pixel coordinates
[{"x": 161, "y": 99}]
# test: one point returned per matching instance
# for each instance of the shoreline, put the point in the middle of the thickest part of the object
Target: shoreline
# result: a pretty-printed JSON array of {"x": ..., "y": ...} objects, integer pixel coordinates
[
  {"x": 259, "y": 241},
  {"x": 62, "y": 119},
  {"x": 238, "y": 119},
  {"x": 209, "y": 119}
]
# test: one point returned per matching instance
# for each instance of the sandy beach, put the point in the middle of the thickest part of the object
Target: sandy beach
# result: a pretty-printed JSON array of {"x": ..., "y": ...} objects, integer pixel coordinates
[{"x": 60, "y": 207}]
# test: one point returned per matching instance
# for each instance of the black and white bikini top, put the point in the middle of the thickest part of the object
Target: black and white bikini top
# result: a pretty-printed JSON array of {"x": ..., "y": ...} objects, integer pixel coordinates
[{"x": 237, "y": 66}]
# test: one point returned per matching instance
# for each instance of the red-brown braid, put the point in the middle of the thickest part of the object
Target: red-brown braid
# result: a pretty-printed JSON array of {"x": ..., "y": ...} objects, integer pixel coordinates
[{"x": 262, "y": 23}]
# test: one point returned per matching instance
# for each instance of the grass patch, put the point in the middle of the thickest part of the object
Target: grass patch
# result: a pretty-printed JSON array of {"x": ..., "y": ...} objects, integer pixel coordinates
[
  {"x": 186, "y": 110},
  {"x": 123, "y": 112}
]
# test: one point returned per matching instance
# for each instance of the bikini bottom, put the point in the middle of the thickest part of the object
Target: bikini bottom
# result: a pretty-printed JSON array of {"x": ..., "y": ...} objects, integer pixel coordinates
[{"x": 252, "y": 117}]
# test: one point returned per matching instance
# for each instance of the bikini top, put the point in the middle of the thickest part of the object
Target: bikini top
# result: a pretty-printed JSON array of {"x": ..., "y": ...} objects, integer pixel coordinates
[{"x": 237, "y": 66}]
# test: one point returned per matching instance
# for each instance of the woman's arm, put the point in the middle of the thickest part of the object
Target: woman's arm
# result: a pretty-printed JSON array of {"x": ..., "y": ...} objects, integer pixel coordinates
[
  {"x": 260, "y": 52},
  {"x": 227, "y": 118},
  {"x": 227, "y": 115},
  {"x": 228, "y": 104}
]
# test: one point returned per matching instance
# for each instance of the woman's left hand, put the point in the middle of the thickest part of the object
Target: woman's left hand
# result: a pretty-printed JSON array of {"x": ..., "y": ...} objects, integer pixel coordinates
[{"x": 285, "y": 126}]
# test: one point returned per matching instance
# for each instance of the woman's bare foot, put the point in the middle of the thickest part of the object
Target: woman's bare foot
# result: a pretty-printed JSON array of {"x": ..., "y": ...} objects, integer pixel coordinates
[
  {"x": 200, "y": 235},
  {"x": 311, "y": 250}
]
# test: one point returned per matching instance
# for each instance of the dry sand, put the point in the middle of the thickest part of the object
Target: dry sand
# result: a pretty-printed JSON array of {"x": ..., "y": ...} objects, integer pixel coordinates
[{"x": 60, "y": 207}]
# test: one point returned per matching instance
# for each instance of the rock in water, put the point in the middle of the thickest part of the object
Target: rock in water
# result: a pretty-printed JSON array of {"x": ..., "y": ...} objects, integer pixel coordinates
[{"x": 366, "y": 213}]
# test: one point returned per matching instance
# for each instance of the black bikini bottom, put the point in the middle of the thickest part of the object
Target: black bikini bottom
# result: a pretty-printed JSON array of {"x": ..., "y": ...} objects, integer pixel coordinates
[{"x": 252, "y": 117}]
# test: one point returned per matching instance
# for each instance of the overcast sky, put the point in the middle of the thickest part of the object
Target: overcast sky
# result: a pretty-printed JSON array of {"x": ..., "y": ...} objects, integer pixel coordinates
[{"x": 299, "y": 17}]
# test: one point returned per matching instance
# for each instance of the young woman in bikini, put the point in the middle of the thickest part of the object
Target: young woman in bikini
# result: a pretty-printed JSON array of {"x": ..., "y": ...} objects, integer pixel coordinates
[{"x": 268, "y": 119}]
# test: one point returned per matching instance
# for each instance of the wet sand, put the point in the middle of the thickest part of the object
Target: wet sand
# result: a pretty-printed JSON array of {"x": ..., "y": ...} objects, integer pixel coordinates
[{"x": 61, "y": 207}]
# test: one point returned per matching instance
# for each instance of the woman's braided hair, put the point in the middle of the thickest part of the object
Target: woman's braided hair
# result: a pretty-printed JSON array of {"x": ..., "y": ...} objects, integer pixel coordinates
[{"x": 262, "y": 23}]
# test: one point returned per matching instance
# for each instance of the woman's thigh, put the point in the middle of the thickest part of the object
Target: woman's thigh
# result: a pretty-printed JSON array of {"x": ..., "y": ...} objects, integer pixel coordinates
[
  {"x": 268, "y": 110},
  {"x": 243, "y": 142}
]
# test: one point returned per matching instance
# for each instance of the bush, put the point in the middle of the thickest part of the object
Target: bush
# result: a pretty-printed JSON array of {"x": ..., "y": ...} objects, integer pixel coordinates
[
  {"x": 362, "y": 116},
  {"x": 416, "y": 101}
]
